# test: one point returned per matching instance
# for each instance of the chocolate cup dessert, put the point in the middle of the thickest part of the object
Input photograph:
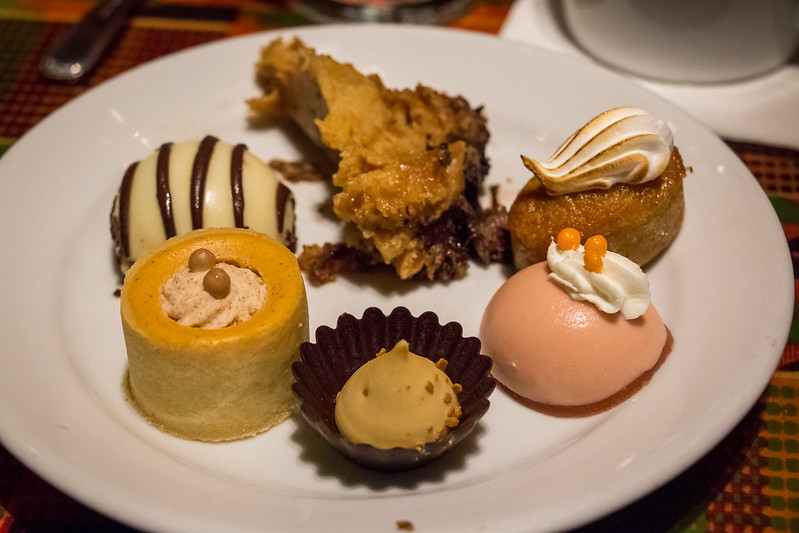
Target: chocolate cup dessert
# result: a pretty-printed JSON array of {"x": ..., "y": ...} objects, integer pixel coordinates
[{"x": 325, "y": 365}]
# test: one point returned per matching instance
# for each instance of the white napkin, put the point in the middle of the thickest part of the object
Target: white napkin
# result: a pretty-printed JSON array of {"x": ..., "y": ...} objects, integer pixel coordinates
[{"x": 762, "y": 110}]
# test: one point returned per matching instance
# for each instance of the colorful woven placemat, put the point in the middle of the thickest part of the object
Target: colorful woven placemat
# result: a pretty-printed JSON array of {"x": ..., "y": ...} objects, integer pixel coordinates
[{"x": 28, "y": 29}]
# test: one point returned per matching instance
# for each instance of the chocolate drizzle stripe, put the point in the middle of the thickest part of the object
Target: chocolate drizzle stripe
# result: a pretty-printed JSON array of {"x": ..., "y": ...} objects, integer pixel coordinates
[
  {"x": 199, "y": 177},
  {"x": 236, "y": 186},
  {"x": 124, "y": 208},
  {"x": 281, "y": 199},
  {"x": 162, "y": 190}
]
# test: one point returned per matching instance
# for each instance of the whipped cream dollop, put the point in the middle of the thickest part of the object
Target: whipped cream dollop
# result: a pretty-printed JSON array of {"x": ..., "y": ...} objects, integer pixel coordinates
[
  {"x": 622, "y": 145},
  {"x": 185, "y": 299},
  {"x": 620, "y": 286}
]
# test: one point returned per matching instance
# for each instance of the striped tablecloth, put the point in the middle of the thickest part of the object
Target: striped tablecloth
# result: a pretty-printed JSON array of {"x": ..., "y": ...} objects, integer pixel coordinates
[{"x": 748, "y": 483}]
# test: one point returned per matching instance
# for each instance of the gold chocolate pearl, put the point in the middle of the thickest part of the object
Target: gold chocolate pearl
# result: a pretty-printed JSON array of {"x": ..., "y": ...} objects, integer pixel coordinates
[
  {"x": 217, "y": 283},
  {"x": 201, "y": 260}
]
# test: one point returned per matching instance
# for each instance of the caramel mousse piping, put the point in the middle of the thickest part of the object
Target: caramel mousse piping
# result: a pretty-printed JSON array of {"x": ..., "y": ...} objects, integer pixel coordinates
[
  {"x": 210, "y": 294},
  {"x": 397, "y": 399}
]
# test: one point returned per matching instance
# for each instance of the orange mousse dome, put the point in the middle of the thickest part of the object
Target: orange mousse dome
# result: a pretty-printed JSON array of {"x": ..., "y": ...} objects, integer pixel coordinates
[{"x": 566, "y": 356}]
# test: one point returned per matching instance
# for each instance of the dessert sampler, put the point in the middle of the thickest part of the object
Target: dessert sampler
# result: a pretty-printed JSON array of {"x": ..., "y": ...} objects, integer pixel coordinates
[
  {"x": 197, "y": 184},
  {"x": 410, "y": 166},
  {"x": 575, "y": 335},
  {"x": 213, "y": 320},
  {"x": 214, "y": 309}
]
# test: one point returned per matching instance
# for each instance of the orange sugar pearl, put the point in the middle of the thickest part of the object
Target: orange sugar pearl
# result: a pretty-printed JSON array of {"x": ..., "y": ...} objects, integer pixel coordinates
[
  {"x": 596, "y": 244},
  {"x": 568, "y": 239},
  {"x": 593, "y": 262}
]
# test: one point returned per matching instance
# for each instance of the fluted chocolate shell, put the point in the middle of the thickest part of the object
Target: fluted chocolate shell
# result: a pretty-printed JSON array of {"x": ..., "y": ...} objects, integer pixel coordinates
[{"x": 326, "y": 364}]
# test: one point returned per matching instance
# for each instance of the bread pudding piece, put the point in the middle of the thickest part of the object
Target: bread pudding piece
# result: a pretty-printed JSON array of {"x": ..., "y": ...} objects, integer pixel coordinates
[{"x": 410, "y": 165}]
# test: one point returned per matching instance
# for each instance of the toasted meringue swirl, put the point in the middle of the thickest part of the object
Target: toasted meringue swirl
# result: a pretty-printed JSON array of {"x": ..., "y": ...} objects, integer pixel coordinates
[{"x": 622, "y": 145}]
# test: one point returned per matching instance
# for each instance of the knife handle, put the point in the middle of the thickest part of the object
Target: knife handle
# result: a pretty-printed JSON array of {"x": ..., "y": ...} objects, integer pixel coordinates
[{"x": 78, "y": 51}]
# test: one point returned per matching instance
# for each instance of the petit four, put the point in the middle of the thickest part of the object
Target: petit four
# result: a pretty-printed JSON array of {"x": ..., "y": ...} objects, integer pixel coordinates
[
  {"x": 398, "y": 399},
  {"x": 575, "y": 335},
  {"x": 197, "y": 184},
  {"x": 329, "y": 363},
  {"x": 619, "y": 176},
  {"x": 213, "y": 320}
]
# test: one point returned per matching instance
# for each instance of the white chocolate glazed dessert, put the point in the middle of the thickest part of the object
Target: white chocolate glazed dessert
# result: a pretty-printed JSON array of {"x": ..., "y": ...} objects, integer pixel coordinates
[
  {"x": 197, "y": 184},
  {"x": 227, "y": 375}
]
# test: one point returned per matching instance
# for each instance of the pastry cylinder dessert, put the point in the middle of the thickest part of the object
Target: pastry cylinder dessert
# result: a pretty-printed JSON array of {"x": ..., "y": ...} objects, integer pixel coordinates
[
  {"x": 619, "y": 176},
  {"x": 577, "y": 334},
  {"x": 213, "y": 320},
  {"x": 197, "y": 184}
]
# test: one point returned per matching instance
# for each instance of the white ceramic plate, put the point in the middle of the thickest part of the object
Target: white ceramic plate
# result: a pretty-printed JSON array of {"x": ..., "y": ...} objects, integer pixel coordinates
[{"x": 724, "y": 288}]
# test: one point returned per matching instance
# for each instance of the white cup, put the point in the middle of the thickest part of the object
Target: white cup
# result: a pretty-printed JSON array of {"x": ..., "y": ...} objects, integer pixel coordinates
[{"x": 694, "y": 41}]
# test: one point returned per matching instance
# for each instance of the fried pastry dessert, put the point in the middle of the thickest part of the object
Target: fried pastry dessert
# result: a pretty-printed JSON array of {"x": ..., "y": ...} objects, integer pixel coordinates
[
  {"x": 410, "y": 164},
  {"x": 619, "y": 176}
]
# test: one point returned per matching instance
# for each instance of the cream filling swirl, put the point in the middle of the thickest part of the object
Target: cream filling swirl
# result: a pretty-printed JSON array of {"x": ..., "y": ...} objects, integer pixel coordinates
[
  {"x": 621, "y": 286},
  {"x": 184, "y": 300},
  {"x": 622, "y": 145}
]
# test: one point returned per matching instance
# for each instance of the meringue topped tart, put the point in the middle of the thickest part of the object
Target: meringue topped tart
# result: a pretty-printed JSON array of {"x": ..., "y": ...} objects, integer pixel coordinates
[
  {"x": 619, "y": 176},
  {"x": 577, "y": 334},
  {"x": 213, "y": 320}
]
